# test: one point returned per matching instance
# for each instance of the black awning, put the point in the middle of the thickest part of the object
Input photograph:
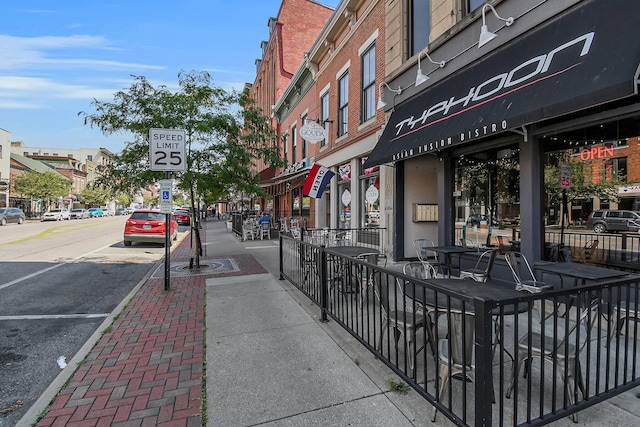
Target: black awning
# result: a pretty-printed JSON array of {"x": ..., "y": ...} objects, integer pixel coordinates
[{"x": 580, "y": 59}]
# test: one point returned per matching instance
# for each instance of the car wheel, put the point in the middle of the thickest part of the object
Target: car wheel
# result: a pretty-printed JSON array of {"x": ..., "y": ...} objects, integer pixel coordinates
[
  {"x": 599, "y": 228},
  {"x": 3, "y": 221},
  {"x": 127, "y": 243}
]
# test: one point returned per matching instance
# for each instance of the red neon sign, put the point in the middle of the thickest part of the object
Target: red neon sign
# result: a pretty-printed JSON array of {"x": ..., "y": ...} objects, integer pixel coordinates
[{"x": 596, "y": 153}]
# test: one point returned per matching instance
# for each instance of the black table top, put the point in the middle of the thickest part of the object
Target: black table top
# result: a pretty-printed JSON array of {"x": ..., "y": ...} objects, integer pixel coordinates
[
  {"x": 450, "y": 249},
  {"x": 579, "y": 270},
  {"x": 352, "y": 251},
  {"x": 484, "y": 290}
]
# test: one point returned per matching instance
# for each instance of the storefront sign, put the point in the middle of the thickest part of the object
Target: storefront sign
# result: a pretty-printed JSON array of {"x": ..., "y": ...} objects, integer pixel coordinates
[
  {"x": 561, "y": 67},
  {"x": 313, "y": 132}
]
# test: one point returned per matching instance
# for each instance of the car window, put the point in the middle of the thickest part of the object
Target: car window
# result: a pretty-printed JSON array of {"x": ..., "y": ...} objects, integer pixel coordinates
[
  {"x": 613, "y": 214},
  {"x": 2, "y": 211},
  {"x": 629, "y": 215},
  {"x": 598, "y": 214},
  {"x": 147, "y": 216}
]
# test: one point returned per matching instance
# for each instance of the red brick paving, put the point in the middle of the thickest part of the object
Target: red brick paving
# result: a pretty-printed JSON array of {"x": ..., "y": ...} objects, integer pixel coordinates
[{"x": 148, "y": 369}]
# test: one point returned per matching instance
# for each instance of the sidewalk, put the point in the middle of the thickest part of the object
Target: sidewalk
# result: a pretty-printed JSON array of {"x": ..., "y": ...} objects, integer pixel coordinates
[{"x": 269, "y": 361}]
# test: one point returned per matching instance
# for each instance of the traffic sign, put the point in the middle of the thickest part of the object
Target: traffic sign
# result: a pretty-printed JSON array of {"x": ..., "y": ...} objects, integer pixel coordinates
[
  {"x": 166, "y": 201},
  {"x": 565, "y": 176},
  {"x": 167, "y": 148}
]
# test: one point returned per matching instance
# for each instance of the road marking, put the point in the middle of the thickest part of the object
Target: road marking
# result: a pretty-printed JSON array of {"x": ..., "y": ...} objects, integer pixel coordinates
[
  {"x": 37, "y": 273},
  {"x": 54, "y": 316}
]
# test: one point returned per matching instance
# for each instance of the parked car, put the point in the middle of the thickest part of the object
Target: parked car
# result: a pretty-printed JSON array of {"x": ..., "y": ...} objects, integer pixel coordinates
[
  {"x": 95, "y": 212},
  {"x": 182, "y": 217},
  {"x": 108, "y": 212},
  {"x": 122, "y": 211},
  {"x": 79, "y": 213},
  {"x": 56, "y": 215},
  {"x": 476, "y": 219},
  {"x": 611, "y": 220},
  {"x": 148, "y": 225},
  {"x": 8, "y": 215}
]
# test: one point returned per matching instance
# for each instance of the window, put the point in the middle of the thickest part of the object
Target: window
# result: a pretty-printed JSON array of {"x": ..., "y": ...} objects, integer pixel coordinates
[
  {"x": 90, "y": 157},
  {"x": 343, "y": 104},
  {"x": 469, "y": 6},
  {"x": 324, "y": 114},
  {"x": 619, "y": 168},
  {"x": 369, "y": 195},
  {"x": 369, "y": 84},
  {"x": 286, "y": 153},
  {"x": 304, "y": 141},
  {"x": 294, "y": 144},
  {"x": 419, "y": 20}
]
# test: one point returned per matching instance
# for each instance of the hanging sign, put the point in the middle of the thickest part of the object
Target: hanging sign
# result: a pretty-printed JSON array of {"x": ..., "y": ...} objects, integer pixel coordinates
[{"x": 313, "y": 132}]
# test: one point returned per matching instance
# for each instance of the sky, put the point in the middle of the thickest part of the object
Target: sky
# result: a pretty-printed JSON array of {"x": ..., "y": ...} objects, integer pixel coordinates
[{"x": 56, "y": 56}]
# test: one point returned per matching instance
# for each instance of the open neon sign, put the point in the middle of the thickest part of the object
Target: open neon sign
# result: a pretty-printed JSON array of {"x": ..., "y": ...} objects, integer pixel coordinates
[{"x": 593, "y": 153}]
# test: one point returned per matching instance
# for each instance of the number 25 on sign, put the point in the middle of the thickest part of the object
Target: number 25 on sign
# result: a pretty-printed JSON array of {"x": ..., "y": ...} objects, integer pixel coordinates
[{"x": 167, "y": 149}]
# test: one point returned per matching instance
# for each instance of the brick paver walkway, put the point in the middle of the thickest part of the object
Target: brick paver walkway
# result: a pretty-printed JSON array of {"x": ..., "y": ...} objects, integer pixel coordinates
[{"x": 147, "y": 370}]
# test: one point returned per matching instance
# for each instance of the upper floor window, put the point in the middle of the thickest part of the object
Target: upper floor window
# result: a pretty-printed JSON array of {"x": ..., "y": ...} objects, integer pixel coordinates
[
  {"x": 294, "y": 144},
  {"x": 343, "y": 104},
  {"x": 324, "y": 114},
  {"x": 419, "y": 25},
  {"x": 619, "y": 168},
  {"x": 303, "y": 154},
  {"x": 369, "y": 84},
  {"x": 286, "y": 153},
  {"x": 90, "y": 157},
  {"x": 469, "y": 6}
]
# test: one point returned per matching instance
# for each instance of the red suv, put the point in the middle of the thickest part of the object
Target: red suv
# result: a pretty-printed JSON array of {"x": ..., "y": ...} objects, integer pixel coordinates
[{"x": 148, "y": 225}]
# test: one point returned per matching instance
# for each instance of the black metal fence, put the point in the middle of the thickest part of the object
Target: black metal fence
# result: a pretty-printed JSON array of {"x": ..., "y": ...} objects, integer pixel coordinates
[{"x": 465, "y": 347}]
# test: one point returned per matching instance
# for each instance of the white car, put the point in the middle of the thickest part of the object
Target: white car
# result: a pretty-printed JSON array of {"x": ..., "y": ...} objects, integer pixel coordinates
[{"x": 56, "y": 215}]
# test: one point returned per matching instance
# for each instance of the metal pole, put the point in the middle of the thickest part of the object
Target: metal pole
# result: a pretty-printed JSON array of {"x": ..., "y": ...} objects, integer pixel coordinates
[{"x": 167, "y": 242}]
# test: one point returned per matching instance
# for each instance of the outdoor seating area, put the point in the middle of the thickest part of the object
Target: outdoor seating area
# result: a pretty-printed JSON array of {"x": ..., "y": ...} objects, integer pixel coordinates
[{"x": 551, "y": 339}]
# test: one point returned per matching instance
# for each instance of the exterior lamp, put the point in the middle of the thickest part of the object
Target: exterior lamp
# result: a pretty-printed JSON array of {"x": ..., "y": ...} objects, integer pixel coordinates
[
  {"x": 485, "y": 35},
  {"x": 381, "y": 103},
  {"x": 420, "y": 76}
]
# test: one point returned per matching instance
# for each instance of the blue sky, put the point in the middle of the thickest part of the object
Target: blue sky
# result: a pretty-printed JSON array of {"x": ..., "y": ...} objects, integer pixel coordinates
[{"x": 57, "y": 55}]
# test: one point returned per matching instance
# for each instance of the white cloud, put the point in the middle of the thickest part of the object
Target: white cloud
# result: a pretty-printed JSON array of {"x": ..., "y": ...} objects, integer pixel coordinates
[{"x": 32, "y": 52}]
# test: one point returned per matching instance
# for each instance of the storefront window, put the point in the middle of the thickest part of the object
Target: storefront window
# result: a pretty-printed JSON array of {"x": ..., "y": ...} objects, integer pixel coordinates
[
  {"x": 369, "y": 195},
  {"x": 344, "y": 195},
  {"x": 488, "y": 188}
]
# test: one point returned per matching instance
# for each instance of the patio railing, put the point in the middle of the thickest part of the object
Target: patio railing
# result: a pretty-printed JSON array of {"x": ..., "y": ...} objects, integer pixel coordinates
[{"x": 591, "y": 363}]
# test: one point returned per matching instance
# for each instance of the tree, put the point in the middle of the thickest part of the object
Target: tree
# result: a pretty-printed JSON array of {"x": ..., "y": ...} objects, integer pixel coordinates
[
  {"x": 46, "y": 187},
  {"x": 226, "y": 135},
  {"x": 583, "y": 184},
  {"x": 96, "y": 195}
]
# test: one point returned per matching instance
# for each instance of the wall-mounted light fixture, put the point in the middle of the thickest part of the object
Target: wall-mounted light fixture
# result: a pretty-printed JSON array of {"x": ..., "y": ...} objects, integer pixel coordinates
[
  {"x": 420, "y": 76},
  {"x": 485, "y": 35},
  {"x": 381, "y": 103}
]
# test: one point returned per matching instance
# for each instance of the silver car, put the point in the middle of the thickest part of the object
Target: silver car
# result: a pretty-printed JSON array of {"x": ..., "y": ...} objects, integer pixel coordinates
[{"x": 79, "y": 213}]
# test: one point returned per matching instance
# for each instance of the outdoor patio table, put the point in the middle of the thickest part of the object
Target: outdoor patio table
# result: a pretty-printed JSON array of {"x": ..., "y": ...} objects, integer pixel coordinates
[
  {"x": 341, "y": 267},
  {"x": 447, "y": 251},
  {"x": 581, "y": 273}
]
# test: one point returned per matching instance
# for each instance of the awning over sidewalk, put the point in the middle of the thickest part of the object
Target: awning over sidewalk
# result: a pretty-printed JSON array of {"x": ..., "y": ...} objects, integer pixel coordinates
[{"x": 581, "y": 59}]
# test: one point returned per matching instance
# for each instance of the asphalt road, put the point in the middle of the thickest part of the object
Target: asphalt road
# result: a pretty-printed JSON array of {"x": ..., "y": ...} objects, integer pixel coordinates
[{"x": 58, "y": 283}]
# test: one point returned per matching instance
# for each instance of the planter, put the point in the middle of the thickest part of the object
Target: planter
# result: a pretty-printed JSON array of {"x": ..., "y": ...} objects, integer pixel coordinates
[{"x": 229, "y": 225}]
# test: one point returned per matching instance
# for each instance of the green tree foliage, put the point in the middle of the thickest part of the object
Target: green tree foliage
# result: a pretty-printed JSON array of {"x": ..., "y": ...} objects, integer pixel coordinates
[
  {"x": 583, "y": 185},
  {"x": 226, "y": 135},
  {"x": 96, "y": 195},
  {"x": 47, "y": 187}
]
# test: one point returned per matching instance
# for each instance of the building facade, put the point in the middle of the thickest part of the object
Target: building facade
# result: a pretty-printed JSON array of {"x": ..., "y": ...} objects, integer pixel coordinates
[{"x": 522, "y": 81}]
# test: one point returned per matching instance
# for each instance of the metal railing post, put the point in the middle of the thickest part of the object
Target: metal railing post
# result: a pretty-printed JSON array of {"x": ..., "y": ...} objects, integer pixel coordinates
[
  {"x": 484, "y": 393},
  {"x": 281, "y": 277},
  {"x": 324, "y": 288}
]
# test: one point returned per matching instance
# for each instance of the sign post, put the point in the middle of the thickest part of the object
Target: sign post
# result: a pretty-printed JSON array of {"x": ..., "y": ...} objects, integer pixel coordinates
[
  {"x": 565, "y": 184},
  {"x": 167, "y": 152}
]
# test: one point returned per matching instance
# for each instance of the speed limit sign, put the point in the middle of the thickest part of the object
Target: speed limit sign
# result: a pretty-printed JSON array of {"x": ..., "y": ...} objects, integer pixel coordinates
[
  {"x": 565, "y": 176},
  {"x": 167, "y": 148}
]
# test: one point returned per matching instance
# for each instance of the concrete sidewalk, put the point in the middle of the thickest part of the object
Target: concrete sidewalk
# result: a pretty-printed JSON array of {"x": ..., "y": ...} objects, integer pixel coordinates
[{"x": 269, "y": 360}]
